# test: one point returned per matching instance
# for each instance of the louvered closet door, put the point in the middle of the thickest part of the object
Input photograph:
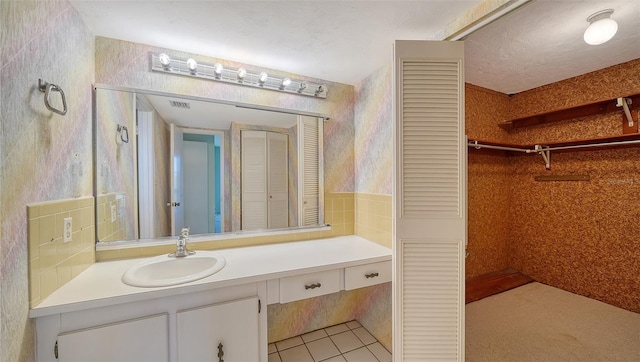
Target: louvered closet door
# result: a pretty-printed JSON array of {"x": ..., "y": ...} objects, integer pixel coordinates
[
  {"x": 278, "y": 180},
  {"x": 430, "y": 201},
  {"x": 310, "y": 127},
  {"x": 254, "y": 180}
]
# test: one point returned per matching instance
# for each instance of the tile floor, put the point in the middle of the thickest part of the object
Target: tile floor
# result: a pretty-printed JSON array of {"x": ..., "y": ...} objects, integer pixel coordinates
[{"x": 347, "y": 342}]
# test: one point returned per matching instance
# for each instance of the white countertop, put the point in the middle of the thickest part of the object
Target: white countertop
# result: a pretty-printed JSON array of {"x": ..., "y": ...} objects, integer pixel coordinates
[{"x": 100, "y": 285}]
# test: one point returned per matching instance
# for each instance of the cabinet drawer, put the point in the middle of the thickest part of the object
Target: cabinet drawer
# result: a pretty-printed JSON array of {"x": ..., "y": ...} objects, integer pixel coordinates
[
  {"x": 366, "y": 275},
  {"x": 310, "y": 285}
]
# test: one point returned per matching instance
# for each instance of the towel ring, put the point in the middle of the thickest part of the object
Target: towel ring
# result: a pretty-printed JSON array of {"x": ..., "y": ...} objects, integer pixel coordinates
[{"x": 47, "y": 88}]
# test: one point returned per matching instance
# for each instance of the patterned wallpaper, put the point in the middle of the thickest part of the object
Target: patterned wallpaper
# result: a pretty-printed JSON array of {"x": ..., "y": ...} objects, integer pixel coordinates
[
  {"x": 45, "y": 156},
  {"x": 374, "y": 133}
]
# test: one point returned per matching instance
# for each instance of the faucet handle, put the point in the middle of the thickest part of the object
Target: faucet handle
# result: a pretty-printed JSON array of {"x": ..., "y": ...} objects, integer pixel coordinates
[{"x": 184, "y": 232}]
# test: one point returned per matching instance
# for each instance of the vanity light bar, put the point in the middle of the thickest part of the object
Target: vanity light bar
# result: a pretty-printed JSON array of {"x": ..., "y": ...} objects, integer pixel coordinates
[{"x": 161, "y": 62}]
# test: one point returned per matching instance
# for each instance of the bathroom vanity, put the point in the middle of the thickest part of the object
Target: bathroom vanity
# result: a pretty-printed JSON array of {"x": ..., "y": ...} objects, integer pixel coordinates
[{"x": 98, "y": 317}]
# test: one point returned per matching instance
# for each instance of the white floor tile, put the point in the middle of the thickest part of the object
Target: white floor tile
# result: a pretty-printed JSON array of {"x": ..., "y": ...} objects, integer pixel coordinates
[
  {"x": 288, "y": 343},
  {"x": 274, "y": 357},
  {"x": 296, "y": 354},
  {"x": 312, "y": 336},
  {"x": 364, "y": 335},
  {"x": 322, "y": 349},
  {"x": 360, "y": 355},
  {"x": 354, "y": 324},
  {"x": 336, "y": 329},
  {"x": 346, "y": 341},
  {"x": 272, "y": 348},
  {"x": 380, "y": 352}
]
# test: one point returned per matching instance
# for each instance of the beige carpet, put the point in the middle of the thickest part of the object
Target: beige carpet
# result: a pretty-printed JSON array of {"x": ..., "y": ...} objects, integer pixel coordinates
[{"x": 536, "y": 322}]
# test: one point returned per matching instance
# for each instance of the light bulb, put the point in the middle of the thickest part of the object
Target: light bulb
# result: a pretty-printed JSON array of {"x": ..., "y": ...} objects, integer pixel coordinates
[
  {"x": 242, "y": 73},
  {"x": 165, "y": 60},
  {"x": 263, "y": 77},
  {"x": 601, "y": 29},
  {"x": 302, "y": 87},
  {"x": 192, "y": 65},
  {"x": 217, "y": 69},
  {"x": 285, "y": 83}
]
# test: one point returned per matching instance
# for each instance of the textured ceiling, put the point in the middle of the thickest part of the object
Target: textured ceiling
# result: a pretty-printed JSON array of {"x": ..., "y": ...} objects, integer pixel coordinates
[
  {"x": 345, "y": 41},
  {"x": 542, "y": 43}
]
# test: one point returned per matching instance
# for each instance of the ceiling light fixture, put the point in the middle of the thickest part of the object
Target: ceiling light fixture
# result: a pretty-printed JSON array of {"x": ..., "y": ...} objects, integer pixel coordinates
[
  {"x": 601, "y": 29},
  {"x": 161, "y": 62}
]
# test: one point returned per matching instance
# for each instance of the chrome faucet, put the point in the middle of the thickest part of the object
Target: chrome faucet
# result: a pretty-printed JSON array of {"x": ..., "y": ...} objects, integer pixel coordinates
[{"x": 181, "y": 245}]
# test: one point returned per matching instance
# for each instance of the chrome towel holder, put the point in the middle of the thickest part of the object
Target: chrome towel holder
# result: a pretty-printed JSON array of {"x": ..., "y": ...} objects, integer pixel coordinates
[{"x": 47, "y": 88}]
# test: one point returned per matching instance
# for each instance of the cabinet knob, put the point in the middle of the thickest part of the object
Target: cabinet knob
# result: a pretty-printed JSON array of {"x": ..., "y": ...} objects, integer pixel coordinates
[
  {"x": 312, "y": 286},
  {"x": 371, "y": 275}
]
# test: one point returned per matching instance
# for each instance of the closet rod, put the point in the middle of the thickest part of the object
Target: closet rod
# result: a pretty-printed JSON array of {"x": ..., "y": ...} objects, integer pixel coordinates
[
  {"x": 605, "y": 144},
  {"x": 477, "y": 145}
]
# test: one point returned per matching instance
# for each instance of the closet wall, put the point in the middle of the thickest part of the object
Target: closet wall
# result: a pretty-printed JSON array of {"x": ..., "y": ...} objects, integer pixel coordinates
[
  {"x": 489, "y": 189},
  {"x": 581, "y": 236}
]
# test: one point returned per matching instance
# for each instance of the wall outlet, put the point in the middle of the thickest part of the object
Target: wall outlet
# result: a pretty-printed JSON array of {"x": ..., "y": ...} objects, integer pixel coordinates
[
  {"x": 67, "y": 230},
  {"x": 114, "y": 214}
]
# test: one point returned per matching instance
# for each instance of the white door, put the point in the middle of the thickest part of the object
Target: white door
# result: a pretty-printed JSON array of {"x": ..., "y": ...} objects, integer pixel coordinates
[
  {"x": 177, "y": 211},
  {"x": 264, "y": 181},
  {"x": 146, "y": 184},
  {"x": 222, "y": 332},
  {"x": 254, "y": 180},
  {"x": 144, "y": 339},
  {"x": 277, "y": 181},
  {"x": 195, "y": 186},
  {"x": 429, "y": 201}
]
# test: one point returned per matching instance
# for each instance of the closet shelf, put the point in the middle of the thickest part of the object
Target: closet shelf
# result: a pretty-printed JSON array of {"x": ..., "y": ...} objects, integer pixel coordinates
[
  {"x": 584, "y": 110},
  {"x": 544, "y": 149}
]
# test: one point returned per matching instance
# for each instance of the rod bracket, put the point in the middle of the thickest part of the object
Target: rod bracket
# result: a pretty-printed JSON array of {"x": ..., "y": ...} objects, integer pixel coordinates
[
  {"x": 546, "y": 155},
  {"x": 624, "y": 103}
]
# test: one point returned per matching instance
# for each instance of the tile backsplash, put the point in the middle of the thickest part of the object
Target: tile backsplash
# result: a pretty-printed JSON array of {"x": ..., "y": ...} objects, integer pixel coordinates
[
  {"x": 52, "y": 261},
  {"x": 373, "y": 218}
]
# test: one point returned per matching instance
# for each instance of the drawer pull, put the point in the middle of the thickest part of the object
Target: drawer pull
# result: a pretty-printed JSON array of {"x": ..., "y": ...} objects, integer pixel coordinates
[
  {"x": 312, "y": 286},
  {"x": 371, "y": 275}
]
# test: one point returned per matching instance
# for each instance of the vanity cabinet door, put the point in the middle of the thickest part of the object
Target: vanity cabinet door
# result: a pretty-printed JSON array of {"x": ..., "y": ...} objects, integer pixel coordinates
[
  {"x": 226, "y": 331},
  {"x": 143, "y": 339}
]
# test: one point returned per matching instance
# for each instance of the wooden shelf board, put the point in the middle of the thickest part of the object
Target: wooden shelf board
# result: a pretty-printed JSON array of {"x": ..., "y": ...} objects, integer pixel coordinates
[{"x": 584, "y": 110}]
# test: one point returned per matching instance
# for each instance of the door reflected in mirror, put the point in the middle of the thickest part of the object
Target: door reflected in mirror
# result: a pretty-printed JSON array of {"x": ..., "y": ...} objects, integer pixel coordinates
[{"x": 205, "y": 165}]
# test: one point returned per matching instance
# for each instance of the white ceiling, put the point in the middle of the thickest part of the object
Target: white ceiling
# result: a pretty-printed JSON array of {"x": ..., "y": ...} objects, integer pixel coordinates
[
  {"x": 210, "y": 115},
  {"x": 345, "y": 41}
]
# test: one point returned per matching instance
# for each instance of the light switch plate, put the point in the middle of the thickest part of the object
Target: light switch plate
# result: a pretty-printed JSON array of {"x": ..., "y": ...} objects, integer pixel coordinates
[
  {"x": 114, "y": 214},
  {"x": 67, "y": 230}
]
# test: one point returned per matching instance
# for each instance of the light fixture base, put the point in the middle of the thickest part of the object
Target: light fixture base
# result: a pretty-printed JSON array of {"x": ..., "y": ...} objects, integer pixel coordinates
[
  {"x": 602, "y": 14},
  {"x": 239, "y": 76}
]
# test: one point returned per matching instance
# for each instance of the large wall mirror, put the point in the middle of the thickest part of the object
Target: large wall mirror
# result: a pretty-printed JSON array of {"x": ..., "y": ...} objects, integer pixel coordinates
[{"x": 164, "y": 162}]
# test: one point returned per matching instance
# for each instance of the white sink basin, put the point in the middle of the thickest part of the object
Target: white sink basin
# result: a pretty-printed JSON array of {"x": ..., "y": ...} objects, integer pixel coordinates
[{"x": 162, "y": 271}]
